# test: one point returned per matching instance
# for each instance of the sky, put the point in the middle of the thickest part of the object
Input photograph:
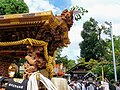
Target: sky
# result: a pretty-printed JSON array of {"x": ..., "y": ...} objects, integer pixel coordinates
[{"x": 100, "y": 10}]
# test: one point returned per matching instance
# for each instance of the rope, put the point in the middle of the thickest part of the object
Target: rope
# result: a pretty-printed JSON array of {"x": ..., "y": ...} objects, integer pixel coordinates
[
  {"x": 32, "y": 83},
  {"x": 32, "y": 42}
]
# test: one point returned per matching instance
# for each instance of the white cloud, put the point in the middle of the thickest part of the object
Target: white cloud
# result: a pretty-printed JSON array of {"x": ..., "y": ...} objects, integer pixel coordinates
[
  {"x": 116, "y": 29},
  {"x": 73, "y": 50},
  {"x": 40, "y": 5},
  {"x": 105, "y": 12},
  {"x": 100, "y": 9}
]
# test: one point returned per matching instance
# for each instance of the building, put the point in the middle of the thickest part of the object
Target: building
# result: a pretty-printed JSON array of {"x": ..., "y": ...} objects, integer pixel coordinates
[
  {"x": 78, "y": 71},
  {"x": 90, "y": 77}
]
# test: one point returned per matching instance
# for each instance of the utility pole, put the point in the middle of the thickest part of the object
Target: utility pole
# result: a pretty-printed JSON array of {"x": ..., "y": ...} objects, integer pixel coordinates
[{"x": 113, "y": 52}]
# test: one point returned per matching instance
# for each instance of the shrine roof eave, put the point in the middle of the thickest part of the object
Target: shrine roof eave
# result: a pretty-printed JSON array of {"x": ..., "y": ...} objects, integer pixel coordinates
[
  {"x": 30, "y": 19},
  {"x": 20, "y": 24},
  {"x": 26, "y": 15},
  {"x": 79, "y": 72}
]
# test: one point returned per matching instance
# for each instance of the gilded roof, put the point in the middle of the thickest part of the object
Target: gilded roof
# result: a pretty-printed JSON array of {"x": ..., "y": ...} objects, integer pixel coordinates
[
  {"x": 27, "y": 19},
  {"x": 42, "y": 26}
]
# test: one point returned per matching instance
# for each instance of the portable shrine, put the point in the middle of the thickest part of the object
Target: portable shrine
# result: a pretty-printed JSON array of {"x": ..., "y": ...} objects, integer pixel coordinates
[{"x": 33, "y": 37}]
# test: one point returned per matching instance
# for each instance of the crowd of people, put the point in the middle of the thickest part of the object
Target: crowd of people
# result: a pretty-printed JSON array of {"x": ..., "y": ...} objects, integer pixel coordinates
[{"x": 85, "y": 85}]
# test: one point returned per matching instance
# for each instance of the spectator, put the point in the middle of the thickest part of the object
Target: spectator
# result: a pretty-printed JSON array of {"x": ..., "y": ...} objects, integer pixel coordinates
[
  {"x": 117, "y": 86},
  {"x": 90, "y": 87},
  {"x": 111, "y": 86},
  {"x": 79, "y": 86}
]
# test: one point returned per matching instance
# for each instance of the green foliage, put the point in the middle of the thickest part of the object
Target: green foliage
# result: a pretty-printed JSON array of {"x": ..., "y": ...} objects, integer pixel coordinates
[
  {"x": 108, "y": 70},
  {"x": 63, "y": 59},
  {"x": 91, "y": 64},
  {"x": 13, "y": 7},
  {"x": 108, "y": 55},
  {"x": 70, "y": 64},
  {"x": 117, "y": 48},
  {"x": 92, "y": 47},
  {"x": 108, "y": 63},
  {"x": 78, "y": 12}
]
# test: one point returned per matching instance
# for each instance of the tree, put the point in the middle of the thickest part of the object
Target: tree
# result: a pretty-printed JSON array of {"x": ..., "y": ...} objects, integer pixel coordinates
[
  {"x": 92, "y": 47},
  {"x": 63, "y": 59},
  {"x": 58, "y": 56},
  {"x": 117, "y": 48},
  {"x": 109, "y": 68},
  {"x": 13, "y": 7},
  {"x": 91, "y": 64},
  {"x": 117, "y": 54},
  {"x": 108, "y": 55}
]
